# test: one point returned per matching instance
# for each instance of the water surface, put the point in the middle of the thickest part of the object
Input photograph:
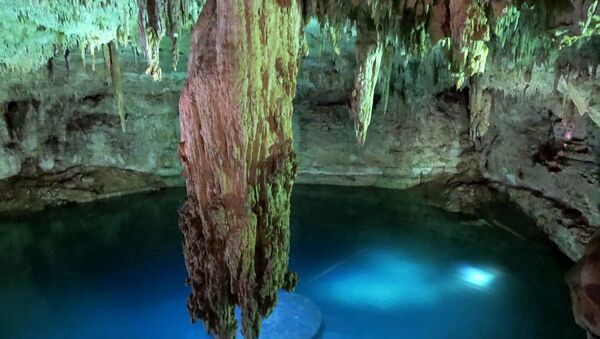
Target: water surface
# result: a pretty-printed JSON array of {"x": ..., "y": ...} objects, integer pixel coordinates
[{"x": 376, "y": 263}]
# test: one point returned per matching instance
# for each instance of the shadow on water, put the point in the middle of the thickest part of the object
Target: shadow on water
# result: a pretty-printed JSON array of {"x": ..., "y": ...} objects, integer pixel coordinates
[{"x": 373, "y": 263}]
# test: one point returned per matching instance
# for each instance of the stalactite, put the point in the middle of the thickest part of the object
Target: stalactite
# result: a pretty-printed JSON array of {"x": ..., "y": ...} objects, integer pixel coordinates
[
  {"x": 470, "y": 33},
  {"x": 157, "y": 18},
  {"x": 67, "y": 52},
  {"x": 369, "y": 53},
  {"x": 387, "y": 65},
  {"x": 404, "y": 27},
  {"x": 480, "y": 108},
  {"x": 236, "y": 149},
  {"x": 526, "y": 26},
  {"x": 141, "y": 20},
  {"x": 581, "y": 98},
  {"x": 175, "y": 53},
  {"x": 521, "y": 36},
  {"x": 150, "y": 22},
  {"x": 93, "y": 56},
  {"x": 439, "y": 23},
  {"x": 117, "y": 81},
  {"x": 174, "y": 20},
  {"x": 588, "y": 28},
  {"x": 50, "y": 68},
  {"x": 332, "y": 32},
  {"x": 34, "y": 27},
  {"x": 107, "y": 64},
  {"x": 83, "y": 60}
]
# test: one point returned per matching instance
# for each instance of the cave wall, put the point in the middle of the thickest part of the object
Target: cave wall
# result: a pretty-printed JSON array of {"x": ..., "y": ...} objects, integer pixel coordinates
[
  {"x": 66, "y": 144},
  {"x": 518, "y": 133},
  {"x": 545, "y": 156},
  {"x": 422, "y": 136},
  {"x": 60, "y": 137}
]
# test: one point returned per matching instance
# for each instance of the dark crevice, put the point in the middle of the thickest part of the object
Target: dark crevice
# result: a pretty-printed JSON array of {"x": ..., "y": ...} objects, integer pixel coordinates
[
  {"x": 340, "y": 101},
  {"x": 547, "y": 155},
  {"x": 15, "y": 116},
  {"x": 454, "y": 96},
  {"x": 84, "y": 122},
  {"x": 93, "y": 99}
]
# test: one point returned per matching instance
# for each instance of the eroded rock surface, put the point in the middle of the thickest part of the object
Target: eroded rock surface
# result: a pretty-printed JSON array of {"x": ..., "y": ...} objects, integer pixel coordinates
[
  {"x": 66, "y": 121},
  {"x": 239, "y": 164},
  {"x": 415, "y": 141},
  {"x": 546, "y": 158},
  {"x": 584, "y": 281}
]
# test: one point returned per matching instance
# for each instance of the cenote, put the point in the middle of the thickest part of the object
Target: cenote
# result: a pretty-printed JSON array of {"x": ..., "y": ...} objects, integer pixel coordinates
[
  {"x": 296, "y": 169},
  {"x": 373, "y": 263}
]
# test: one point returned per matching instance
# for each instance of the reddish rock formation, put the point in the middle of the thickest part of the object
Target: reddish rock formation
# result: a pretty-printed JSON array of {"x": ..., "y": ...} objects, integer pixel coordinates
[
  {"x": 498, "y": 6},
  {"x": 439, "y": 24},
  {"x": 584, "y": 281},
  {"x": 236, "y": 148}
]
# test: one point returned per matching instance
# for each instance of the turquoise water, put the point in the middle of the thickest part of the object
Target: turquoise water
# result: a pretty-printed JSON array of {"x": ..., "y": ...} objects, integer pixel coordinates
[{"x": 374, "y": 263}]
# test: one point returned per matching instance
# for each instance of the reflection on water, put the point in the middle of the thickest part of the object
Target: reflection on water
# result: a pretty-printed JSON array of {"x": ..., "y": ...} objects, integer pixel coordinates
[
  {"x": 386, "y": 280},
  {"x": 376, "y": 263}
]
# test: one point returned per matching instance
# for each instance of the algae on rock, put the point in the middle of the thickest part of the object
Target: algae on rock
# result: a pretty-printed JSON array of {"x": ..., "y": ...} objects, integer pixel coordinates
[{"x": 236, "y": 148}]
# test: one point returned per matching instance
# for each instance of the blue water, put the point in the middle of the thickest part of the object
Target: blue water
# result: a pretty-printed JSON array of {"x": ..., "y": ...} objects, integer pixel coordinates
[{"x": 373, "y": 263}]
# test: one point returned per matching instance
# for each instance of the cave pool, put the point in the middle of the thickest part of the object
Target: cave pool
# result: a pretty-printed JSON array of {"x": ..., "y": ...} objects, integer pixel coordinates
[{"x": 373, "y": 263}]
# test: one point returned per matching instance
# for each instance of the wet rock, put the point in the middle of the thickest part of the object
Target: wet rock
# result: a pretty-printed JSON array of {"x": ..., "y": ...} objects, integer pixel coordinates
[
  {"x": 545, "y": 158},
  {"x": 239, "y": 164},
  {"x": 523, "y": 137},
  {"x": 23, "y": 194},
  {"x": 584, "y": 282},
  {"x": 467, "y": 198},
  {"x": 49, "y": 126},
  {"x": 414, "y": 142}
]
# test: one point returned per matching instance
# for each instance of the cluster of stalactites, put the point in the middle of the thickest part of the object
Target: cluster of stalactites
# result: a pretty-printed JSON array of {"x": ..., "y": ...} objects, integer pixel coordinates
[
  {"x": 573, "y": 68},
  {"x": 572, "y": 49},
  {"x": 387, "y": 28},
  {"x": 519, "y": 33},
  {"x": 579, "y": 62},
  {"x": 34, "y": 31},
  {"x": 159, "y": 17},
  {"x": 37, "y": 32}
]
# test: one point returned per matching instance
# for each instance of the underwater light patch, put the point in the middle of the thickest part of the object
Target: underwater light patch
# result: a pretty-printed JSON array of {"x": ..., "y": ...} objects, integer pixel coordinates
[
  {"x": 382, "y": 279},
  {"x": 476, "y": 276}
]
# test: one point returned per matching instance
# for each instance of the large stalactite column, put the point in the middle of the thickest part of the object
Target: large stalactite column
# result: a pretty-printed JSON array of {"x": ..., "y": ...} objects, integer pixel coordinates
[
  {"x": 236, "y": 148},
  {"x": 369, "y": 54}
]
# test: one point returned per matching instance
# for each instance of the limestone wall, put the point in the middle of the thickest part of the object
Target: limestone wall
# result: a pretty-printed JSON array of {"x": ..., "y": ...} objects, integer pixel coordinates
[{"x": 60, "y": 137}]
